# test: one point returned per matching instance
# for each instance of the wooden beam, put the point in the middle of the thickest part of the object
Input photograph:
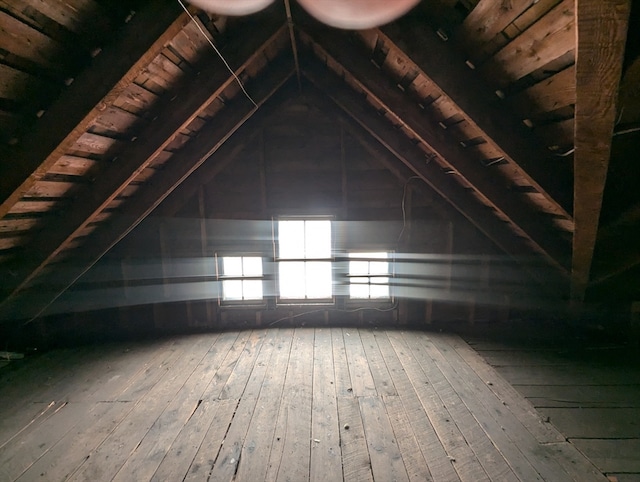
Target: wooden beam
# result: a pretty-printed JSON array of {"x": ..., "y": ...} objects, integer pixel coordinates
[
  {"x": 408, "y": 115},
  {"x": 207, "y": 172},
  {"x": 95, "y": 89},
  {"x": 447, "y": 69},
  {"x": 364, "y": 119},
  {"x": 31, "y": 303},
  {"x": 204, "y": 247},
  {"x": 602, "y": 31},
  {"x": 194, "y": 98}
]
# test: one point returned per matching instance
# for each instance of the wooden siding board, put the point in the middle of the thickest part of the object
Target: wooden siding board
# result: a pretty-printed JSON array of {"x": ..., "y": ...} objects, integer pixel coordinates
[
  {"x": 554, "y": 92},
  {"x": 136, "y": 100},
  {"x": 487, "y": 20},
  {"x": 549, "y": 38}
]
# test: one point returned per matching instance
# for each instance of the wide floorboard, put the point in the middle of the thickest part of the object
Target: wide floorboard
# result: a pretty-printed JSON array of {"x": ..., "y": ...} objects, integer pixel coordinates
[
  {"x": 295, "y": 404},
  {"x": 588, "y": 388}
]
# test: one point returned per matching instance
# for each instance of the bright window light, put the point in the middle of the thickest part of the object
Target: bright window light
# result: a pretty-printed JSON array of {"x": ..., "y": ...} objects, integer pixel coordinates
[
  {"x": 369, "y": 275},
  {"x": 246, "y": 272},
  {"x": 304, "y": 264}
]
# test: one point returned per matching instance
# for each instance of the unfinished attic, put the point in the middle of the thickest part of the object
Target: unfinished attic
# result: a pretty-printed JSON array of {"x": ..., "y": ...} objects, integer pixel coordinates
[{"x": 284, "y": 240}]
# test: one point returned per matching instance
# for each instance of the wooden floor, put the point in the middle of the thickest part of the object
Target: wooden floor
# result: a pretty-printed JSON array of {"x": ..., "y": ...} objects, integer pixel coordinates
[
  {"x": 279, "y": 404},
  {"x": 590, "y": 390}
]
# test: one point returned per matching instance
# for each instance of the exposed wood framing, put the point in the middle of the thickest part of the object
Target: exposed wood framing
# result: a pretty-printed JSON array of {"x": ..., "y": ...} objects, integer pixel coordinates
[
  {"x": 409, "y": 116},
  {"x": 479, "y": 105},
  {"x": 177, "y": 115},
  {"x": 208, "y": 171},
  {"x": 213, "y": 136},
  {"x": 204, "y": 248},
  {"x": 549, "y": 38},
  {"x": 487, "y": 20},
  {"x": 264, "y": 205},
  {"x": 90, "y": 94},
  {"x": 400, "y": 147},
  {"x": 343, "y": 175},
  {"x": 602, "y": 29}
]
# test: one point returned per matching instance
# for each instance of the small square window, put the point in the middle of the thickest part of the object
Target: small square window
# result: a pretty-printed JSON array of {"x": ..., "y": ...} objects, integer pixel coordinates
[
  {"x": 369, "y": 276},
  {"x": 241, "y": 278}
]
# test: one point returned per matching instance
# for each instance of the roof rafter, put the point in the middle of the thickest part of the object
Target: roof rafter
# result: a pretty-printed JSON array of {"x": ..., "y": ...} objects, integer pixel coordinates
[
  {"x": 208, "y": 171},
  {"x": 409, "y": 116},
  {"x": 68, "y": 118},
  {"x": 31, "y": 303},
  {"x": 414, "y": 158},
  {"x": 447, "y": 69},
  {"x": 176, "y": 115},
  {"x": 602, "y": 29}
]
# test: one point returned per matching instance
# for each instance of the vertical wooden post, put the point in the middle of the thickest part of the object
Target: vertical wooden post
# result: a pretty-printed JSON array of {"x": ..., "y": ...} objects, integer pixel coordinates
[
  {"x": 164, "y": 258},
  {"x": 449, "y": 253},
  {"x": 343, "y": 170},
  {"x": 448, "y": 270},
  {"x": 483, "y": 286},
  {"x": 408, "y": 213},
  {"x": 159, "y": 319},
  {"x": 203, "y": 245},
  {"x": 428, "y": 311},
  {"x": 504, "y": 312},
  {"x": 123, "y": 311},
  {"x": 264, "y": 204},
  {"x": 189, "y": 308}
]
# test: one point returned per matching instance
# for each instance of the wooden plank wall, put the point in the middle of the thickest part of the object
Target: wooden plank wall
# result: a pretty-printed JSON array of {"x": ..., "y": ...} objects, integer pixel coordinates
[{"x": 299, "y": 162}]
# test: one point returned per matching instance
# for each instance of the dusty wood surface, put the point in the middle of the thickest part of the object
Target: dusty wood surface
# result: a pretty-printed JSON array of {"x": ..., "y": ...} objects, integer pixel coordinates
[
  {"x": 591, "y": 393},
  {"x": 602, "y": 29},
  {"x": 382, "y": 93},
  {"x": 277, "y": 404}
]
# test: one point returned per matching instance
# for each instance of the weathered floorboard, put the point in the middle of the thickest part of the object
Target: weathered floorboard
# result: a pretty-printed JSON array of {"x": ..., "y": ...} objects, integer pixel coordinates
[{"x": 278, "y": 404}]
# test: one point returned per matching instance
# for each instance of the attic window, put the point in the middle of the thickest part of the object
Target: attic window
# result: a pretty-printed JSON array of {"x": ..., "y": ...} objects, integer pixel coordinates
[
  {"x": 241, "y": 278},
  {"x": 304, "y": 260},
  {"x": 369, "y": 276}
]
